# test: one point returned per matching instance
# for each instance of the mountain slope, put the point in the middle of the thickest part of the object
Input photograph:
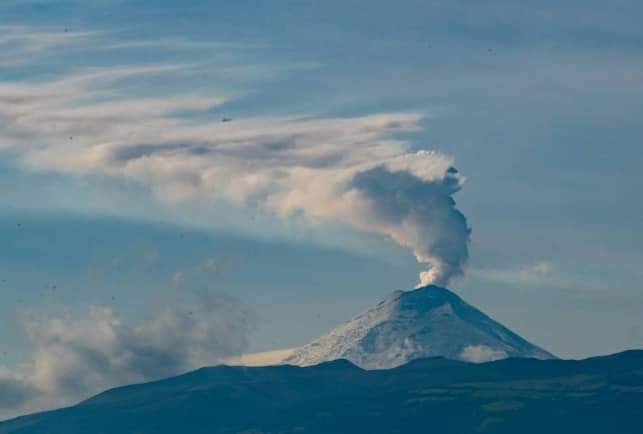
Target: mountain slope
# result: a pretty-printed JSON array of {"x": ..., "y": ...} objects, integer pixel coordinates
[
  {"x": 527, "y": 396},
  {"x": 425, "y": 322}
]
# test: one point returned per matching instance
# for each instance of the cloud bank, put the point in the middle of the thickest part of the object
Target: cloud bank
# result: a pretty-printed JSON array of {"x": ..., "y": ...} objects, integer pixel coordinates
[
  {"x": 481, "y": 354},
  {"x": 74, "y": 358},
  {"x": 355, "y": 171}
]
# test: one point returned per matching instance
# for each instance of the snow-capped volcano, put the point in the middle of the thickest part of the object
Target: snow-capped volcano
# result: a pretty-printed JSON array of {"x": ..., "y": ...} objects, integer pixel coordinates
[{"x": 426, "y": 322}]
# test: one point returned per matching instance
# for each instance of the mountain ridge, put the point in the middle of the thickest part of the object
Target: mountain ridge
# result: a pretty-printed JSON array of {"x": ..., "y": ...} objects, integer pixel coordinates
[{"x": 594, "y": 396}]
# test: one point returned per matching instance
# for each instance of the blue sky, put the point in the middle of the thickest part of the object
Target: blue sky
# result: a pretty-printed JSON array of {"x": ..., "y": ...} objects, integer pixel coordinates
[{"x": 537, "y": 105}]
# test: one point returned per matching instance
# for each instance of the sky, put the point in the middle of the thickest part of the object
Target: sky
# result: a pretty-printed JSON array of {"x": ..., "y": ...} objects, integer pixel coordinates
[{"x": 491, "y": 147}]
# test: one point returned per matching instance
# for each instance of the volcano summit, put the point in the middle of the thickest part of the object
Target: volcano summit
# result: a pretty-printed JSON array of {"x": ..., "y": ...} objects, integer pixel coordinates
[{"x": 426, "y": 322}]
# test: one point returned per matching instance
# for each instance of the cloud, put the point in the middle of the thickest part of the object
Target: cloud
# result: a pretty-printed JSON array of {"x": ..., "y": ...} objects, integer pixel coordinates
[
  {"x": 19, "y": 43},
  {"x": 265, "y": 358},
  {"x": 481, "y": 354},
  {"x": 73, "y": 358},
  {"x": 356, "y": 171},
  {"x": 533, "y": 274},
  {"x": 542, "y": 268}
]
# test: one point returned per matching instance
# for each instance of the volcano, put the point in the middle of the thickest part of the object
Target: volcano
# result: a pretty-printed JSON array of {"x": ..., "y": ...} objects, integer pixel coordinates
[{"x": 425, "y": 322}]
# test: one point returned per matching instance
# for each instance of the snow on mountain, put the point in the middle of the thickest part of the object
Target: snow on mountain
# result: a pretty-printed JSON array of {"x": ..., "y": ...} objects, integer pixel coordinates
[{"x": 426, "y": 322}]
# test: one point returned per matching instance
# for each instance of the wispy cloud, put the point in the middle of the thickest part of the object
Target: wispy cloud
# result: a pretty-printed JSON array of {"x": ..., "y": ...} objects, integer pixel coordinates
[
  {"x": 539, "y": 273},
  {"x": 325, "y": 168},
  {"x": 19, "y": 44}
]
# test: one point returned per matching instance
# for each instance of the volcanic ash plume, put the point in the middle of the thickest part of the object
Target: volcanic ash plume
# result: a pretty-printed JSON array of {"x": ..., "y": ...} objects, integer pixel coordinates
[{"x": 415, "y": 208}]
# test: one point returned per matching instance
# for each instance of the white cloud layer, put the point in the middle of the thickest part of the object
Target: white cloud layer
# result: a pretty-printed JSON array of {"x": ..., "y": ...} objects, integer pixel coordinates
[
  {"x": 355, "y": 171},
  {"x": 73, "y": 358},
  {"x": 481, "y": 354}
]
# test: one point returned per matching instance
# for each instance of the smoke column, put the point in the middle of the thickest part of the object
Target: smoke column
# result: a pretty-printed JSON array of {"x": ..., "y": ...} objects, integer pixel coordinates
[{"x": 420, "y": 214}]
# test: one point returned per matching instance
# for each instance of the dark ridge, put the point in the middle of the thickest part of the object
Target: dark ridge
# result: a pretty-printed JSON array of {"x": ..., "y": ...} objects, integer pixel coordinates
[{"x": 592, "y": 396}]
